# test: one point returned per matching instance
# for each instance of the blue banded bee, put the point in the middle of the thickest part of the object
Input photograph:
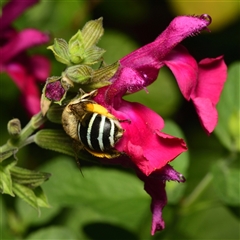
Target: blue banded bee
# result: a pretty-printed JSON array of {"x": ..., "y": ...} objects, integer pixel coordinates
[{"x": 92, "y": 126}]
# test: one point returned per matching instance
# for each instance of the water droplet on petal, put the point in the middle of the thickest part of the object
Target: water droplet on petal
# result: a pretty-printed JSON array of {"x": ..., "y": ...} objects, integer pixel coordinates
[
  {"x": 206, "y": 17},
  {"x": 145, "y": 76}
]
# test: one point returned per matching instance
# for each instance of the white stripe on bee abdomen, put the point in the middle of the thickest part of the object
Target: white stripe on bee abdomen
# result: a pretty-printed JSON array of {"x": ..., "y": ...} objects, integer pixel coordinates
[
  {"x": 101, "y": 133},
  {"x": 89, "y": 130},
  {"x": 112, "y": 132}
]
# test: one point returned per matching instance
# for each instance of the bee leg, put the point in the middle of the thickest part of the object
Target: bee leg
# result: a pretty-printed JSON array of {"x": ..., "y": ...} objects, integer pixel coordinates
[{"x": 77, "y": 148}]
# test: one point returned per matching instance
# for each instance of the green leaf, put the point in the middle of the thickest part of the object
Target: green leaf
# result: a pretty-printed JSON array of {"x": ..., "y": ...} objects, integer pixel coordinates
[
  {"x": 55, "y": 140},
  {"x": 227, "y": 129},
  {"x": 28, "y": 177},
  {"x": 110, "y": 193},
  {"x": 176, "y": 190},
  {"x": 29, "y": 216},
  {"x": 53, "y": 232},
  {"x": 226, "y": 182}
]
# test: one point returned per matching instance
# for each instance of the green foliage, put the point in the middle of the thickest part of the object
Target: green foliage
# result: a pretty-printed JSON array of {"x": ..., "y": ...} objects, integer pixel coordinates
[
  {"x": 228, "y": 128},
  {"x": 226, "y": 182}
]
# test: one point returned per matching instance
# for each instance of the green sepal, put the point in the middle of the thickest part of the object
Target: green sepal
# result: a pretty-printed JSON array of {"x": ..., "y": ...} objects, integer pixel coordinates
[
  {"x": 55, "y": 140},
  {"x": 93, "y": 55},
  {"x": 34, "y": 197},
  {"x": 54, "y": 113},
  {"x": 76, "y": 48},
  {"x": 79, "y": 73},
  {"x": 6, "y": 179},
  {"x": 42, "y": 200},
  {"x": 29, "y": 178},
  {"x": 60, "y": 51},
  {"x": 105, "y": 73},
  {"x": 81, "y": 47},
  {"x": 7, "y": 151},
  {"x": 102, "y": 76},
  {"x": 92, "y": 32}
]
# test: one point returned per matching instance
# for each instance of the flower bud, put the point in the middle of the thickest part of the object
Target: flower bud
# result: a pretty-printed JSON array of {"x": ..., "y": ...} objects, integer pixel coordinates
[{"x": 14, "y": 127}]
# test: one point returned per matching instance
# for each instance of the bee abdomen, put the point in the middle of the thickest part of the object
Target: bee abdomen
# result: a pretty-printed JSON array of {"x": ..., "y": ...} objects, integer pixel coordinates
[{"x": 97, "y": 132}]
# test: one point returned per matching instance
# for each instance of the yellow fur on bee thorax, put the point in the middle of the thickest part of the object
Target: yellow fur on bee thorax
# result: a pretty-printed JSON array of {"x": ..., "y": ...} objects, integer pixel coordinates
[{"x": 93, "y": 107}]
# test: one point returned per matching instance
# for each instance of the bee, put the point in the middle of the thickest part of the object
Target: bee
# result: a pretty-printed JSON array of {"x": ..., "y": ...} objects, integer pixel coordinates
[{"x": 92, "y": 126}]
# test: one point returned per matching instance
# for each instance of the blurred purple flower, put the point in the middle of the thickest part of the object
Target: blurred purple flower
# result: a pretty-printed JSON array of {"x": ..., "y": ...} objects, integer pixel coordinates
[
  {"x": 145, "y": 148},
  {"x": 23, "y": 69}
]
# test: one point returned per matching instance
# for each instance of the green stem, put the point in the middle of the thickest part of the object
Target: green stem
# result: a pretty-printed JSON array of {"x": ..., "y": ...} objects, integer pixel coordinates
[
  {"x": 35, "y": 122},
  {"x": 198, "y": 190},
  {"x": 14, "y": 144}
]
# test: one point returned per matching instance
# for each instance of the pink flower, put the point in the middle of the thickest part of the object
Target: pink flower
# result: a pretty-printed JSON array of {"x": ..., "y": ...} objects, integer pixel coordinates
[
  {"x": 145, "y": 148},
  {"x": 24, "y": 70}
]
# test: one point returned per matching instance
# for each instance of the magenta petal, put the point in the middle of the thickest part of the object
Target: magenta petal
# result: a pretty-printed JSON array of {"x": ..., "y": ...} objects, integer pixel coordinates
[
  {"x": 156, "y": 189},
  {"x": 207, "y": 113},
  {"x": 147, "y": 147},
  {"x": 184, "y": 68},
  {"x": 125, "y": 80},
  {"x": 32, "y": 104},
  {"x": 154, "y": 185},
  {"x": 40, "y": 67},
  {"x": 26, "y": 84},
  {"x": 22, "y": 41},
  {"x": 148, "y": 59},
  {"x": 12, "y": 10},
  {"x": 140, "y": 68},
  {"x": 211, "y": 77}
]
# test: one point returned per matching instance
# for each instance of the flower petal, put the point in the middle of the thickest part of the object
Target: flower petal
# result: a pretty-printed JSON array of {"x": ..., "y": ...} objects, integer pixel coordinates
[
  {"x": 211, "y": 77},
  {"x": 26, "y": 84},
  {"x": 185, "y": 69},
  {"x": 12, "y": 10},
  {"x": 207, "y": 113},
  {"x": 40, "y": 67},
  {"x": 140, "y": 68},
  {"x": 154, "y": 185},
  {"x": 149, "y": 58},
  {"x": 144, "y": 144},
  {"x": 22, "y": 41},
  {"x": 202, "y": 83}
]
